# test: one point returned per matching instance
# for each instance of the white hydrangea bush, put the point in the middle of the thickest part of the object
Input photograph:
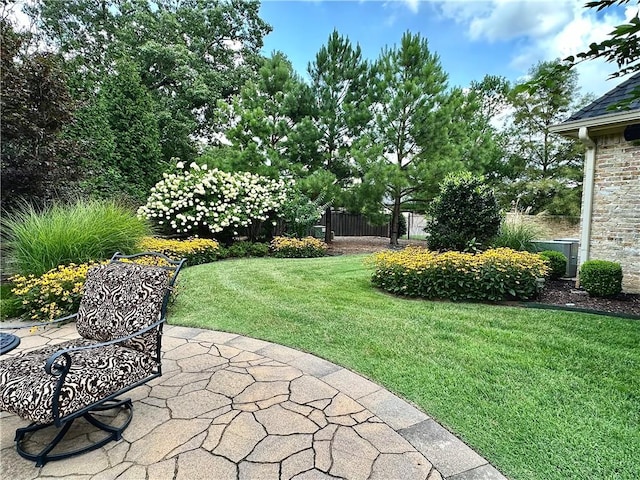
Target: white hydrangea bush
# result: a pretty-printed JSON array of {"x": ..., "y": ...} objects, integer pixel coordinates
[{"x": 196, "y": 198}]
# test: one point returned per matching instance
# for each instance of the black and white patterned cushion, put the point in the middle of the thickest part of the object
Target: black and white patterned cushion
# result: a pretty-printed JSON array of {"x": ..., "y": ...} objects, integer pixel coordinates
[
  {"x": 118, "y": 300},
  {"x": 27, "y": 390}
]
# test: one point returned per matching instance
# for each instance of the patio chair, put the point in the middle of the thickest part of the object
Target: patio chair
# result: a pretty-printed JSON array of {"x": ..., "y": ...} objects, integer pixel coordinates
[{"x": 120, "y": 319}]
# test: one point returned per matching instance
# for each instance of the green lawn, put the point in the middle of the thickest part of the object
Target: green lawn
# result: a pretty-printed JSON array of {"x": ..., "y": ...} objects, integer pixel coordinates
[{"x": 541, "y": 394}]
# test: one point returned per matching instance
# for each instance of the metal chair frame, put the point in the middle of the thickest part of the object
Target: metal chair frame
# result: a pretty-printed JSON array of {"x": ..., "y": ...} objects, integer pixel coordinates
[{"x": 60, "y": 363}]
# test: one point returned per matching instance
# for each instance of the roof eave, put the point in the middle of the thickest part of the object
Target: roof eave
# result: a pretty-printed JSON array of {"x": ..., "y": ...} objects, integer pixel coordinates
[{"x": 602, "y": 125}]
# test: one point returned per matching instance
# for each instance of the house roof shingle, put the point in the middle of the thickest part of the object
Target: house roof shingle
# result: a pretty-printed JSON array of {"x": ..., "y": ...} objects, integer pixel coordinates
[{"x": 602, "y": 105}]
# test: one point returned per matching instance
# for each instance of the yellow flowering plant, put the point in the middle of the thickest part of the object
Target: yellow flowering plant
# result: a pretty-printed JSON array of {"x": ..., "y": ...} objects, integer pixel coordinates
[
  {"x": 492, "y": 275},
  {"x": 286, "y": 247},
  {"x": 195, "y": 250},
  {"x": 55, "y": 294}
]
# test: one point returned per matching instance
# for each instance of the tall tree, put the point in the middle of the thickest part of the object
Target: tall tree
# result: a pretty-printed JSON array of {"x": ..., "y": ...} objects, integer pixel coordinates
[
  {"x": 36, "y": 164},
  {"x": 477, "y": 127},
  {"x": 411, "y": 116},
  {"x": 339, "y": 83},
  {"x": 270, "y": 122},
  {"x": 132, "y": 119},
  {"x": 190, "y": 53},
  {"x": 551, "y": 166},
  {"x": 97, "y": 158}
]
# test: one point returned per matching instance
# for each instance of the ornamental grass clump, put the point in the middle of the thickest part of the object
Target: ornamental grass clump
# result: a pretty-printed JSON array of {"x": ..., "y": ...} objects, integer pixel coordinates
[
  {"x": 195, "y": 250},
  {"x": 516, "y": 234},
  {"x": 86, "y": 231},
  {"x": 492, "y": 275},
  {"x": 55, "y": 294},
  {"x": 212, "y": 202},
  {"x": 308, "y": 247}
]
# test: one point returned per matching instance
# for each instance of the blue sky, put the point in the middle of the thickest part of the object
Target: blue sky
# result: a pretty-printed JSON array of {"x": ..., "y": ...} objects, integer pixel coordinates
[{"x": 472, "y": 37}]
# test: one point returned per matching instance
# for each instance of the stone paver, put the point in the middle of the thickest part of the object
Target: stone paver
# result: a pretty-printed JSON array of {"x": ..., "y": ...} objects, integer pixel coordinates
[
  {"x": 446, "y": 452},
  {"x": 234, "y": 407}
]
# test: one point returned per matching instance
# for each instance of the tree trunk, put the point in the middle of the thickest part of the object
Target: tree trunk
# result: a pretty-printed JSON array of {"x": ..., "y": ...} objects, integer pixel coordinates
[
  {"x": 327, "y": 232},
  {"x": 395, "y": 222}
]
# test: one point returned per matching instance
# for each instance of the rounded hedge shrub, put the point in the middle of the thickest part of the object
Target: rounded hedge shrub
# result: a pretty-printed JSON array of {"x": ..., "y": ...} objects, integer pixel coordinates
[
  {"x": 465, "y": 213},
  {"x": 247, "y": 249},
  {"x": 492, "y": 275},
  {"x": 557, "y": 262},
  {"x": 601, "y": 278}
]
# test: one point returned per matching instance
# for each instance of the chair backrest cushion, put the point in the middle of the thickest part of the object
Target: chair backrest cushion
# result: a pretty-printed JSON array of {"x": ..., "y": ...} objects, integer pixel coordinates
[{"x": 120, "y": 299}]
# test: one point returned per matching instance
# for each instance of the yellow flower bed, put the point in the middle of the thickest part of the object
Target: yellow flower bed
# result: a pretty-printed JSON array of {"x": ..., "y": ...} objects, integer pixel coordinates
[
  {"x": 52, "y": 295},
  {"x": 195, "y": 250},
  {"x": 495, "y": 274},
  {"x": 286, "y": 247}
]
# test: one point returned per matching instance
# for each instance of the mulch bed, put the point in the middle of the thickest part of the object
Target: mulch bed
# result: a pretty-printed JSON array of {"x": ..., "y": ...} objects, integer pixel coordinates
[
  {"x": 560, "y": 293},
  {"x": 565, "y": 294}
]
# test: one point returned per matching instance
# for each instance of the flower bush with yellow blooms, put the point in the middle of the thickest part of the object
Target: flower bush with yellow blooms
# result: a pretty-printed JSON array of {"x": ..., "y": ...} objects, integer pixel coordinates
[
  {"x": 195, "y": 250},
  {"x": 285, "y": 247},
  {"x": 493, "y": 275},
  {"x": 53, "y": 295}
]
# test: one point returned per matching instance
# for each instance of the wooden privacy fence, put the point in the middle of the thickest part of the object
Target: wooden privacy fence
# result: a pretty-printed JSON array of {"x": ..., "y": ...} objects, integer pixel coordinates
[{"x": 354, "y": 225}]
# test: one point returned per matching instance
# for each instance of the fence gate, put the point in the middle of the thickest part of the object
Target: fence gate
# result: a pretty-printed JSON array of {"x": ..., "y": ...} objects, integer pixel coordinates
[{"x": 354, "y": 225}]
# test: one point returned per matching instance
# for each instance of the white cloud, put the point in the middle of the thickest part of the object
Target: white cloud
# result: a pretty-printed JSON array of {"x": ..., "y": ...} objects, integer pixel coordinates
[
  {"x": 541, "y": 30},
  {"x": 414, "y": 5}
]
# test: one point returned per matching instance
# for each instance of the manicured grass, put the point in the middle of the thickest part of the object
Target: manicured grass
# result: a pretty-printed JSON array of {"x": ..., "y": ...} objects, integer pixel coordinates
[{"x": 541, "y": 394}]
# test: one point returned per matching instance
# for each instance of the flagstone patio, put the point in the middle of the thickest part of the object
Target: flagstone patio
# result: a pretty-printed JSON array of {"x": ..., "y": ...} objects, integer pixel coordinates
[{"x": 233, "y": 407}]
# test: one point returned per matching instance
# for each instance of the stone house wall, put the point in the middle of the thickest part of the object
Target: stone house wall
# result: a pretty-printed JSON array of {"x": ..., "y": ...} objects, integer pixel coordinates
[{"x": 615, "y": 228}]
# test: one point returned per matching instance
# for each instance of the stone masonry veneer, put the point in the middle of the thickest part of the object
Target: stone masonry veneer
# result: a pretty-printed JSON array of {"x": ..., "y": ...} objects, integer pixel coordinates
[{"x": 615, "y": 230}]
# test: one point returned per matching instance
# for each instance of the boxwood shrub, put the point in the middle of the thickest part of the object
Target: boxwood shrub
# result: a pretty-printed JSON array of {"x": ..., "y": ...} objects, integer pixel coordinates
[
  {"x": 492, "y": 275},
  {"x": 557, "y": 263},
  {"x": 601, "y": 278}
]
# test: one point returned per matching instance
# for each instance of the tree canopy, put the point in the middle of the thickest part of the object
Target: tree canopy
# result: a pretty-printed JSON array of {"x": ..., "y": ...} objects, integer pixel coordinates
[
  {"x": 339, "y": 77},
  {"x": 411, "y": 117}
]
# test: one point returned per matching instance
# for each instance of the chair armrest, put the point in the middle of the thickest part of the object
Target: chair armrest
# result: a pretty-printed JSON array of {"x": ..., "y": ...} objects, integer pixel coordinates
[
  {"x": 60, "y": 320},
  {"x": 57, "y": 370}
]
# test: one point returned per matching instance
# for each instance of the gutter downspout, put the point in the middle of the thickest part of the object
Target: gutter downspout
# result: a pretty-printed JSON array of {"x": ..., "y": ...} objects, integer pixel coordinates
[{"x": 587, "y": 194}]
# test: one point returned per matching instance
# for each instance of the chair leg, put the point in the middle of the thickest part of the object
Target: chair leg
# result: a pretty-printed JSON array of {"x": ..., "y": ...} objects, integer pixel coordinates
[{"x": 45, "y": 455}]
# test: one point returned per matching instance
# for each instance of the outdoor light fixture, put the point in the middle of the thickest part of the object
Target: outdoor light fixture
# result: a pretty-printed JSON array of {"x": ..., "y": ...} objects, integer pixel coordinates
[{"x": 632, "y": 132}]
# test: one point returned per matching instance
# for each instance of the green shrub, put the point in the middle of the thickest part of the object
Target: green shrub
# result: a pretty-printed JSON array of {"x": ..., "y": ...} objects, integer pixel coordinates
[
  {"x": 557, "y": 263},
  {"x": 246, "y": 249},
  {"x": 402, "y": 226},
  {"x": 492, "y": 275},
  {"x": 517, "y": 235},
  {"x": 601, "y": 278},
  {"x": 299, "y": 214},
  {"x": 238, "y": 250},
  {"x": 39, "y": 241},
  {"x": 464, "y": 213},
  {"x": 10, "y": 306},
  {"x": 258, "y": 249},
  {"x": 308, "y": 247},
  {"x": 195, "y": 250}
]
